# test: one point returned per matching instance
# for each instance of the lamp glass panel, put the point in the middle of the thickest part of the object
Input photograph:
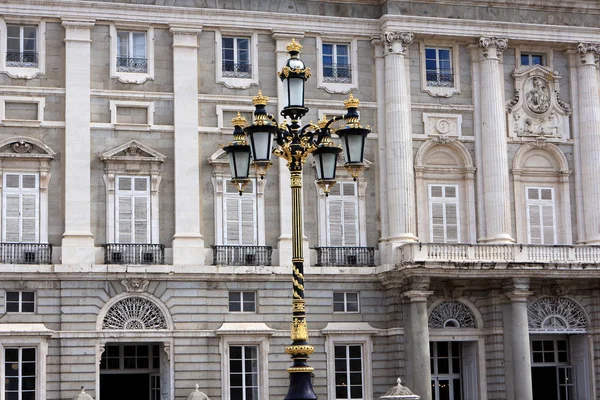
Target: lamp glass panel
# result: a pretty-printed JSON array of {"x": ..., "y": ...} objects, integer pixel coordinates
[
  {"x": 353, "y": 148},
  {"x": 296, "y": 87},
  {"x": 326, "y": 163},
  {"x": 286, "y": 92},
  {"x": 239, "y": 163},
  {"x": 262, "y": 144}
]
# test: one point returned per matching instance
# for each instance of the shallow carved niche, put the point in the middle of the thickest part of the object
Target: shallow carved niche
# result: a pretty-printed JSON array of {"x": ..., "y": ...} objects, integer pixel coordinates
[{"x": 536, "y": 109}]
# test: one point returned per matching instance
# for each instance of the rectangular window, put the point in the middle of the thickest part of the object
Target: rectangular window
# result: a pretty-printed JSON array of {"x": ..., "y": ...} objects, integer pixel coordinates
[
  {"x": 342, "y": 215},
  {"x": 20, "y": 208},
  {"x": 133, "y": 209},
  {"x": 131, "y": 52},
  {"x": 345, "y": 302},
  {"x": 336, "y": 63},
  {"x": 236, "y": 57},
  {"x": 443, "y": 214},
  {"x": 541, "y": 225},
  {"x": 243, "y": 372},
  {"x": 242, "y": 302},
  {"x": 21, "y": 46},
  {"x": 445, "y": 370},
  {"x": 240, "y": 215},
  {"x": 20, "y": 302},
  {"x": 348, "y": 371},
  {"x": 438, "y": 67},
  {"x": 130, "y": 357},
  {"x": 528, "y": 59},
  {"x": 20, "y": 375}
]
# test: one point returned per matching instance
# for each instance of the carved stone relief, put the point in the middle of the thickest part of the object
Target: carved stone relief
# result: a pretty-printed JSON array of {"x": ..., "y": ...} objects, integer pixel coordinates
[
  {"x": 536, "y": 109},
  {"x": 442, "y": 125}
]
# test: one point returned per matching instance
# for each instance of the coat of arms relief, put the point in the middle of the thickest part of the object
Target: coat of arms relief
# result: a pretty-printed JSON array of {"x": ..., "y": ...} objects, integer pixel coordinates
[{"x": 536, "y": 110}]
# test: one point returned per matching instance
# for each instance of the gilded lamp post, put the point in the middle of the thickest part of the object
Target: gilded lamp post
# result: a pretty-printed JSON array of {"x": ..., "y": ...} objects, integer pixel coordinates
[{"x": 254, "y": 144}]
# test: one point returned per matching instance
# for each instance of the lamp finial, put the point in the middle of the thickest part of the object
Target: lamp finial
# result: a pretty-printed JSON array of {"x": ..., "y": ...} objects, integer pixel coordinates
[
  {"x": 238, "y": 120},
  {"x": 351, "y": 102},
  {"x": 294, "y": 46},
  {"x": 260, "y": 99}
]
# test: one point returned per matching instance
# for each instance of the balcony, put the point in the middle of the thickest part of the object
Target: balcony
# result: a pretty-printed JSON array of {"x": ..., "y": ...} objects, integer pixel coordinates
[
  {"x": 127, "y": 64},
  {"x": 134, "y": 254},
  {"x": 345, "y": 256},
  {"x": 490, "y": 253},
  {"x": 240, "y": 70},
  {"x": 242, "y": 255},
  {"x": 17, "y": 59},
  {"x": 440, "y": 79},
  {"x": 337, "y": 73},
  {"x": 25, "y": 253}
]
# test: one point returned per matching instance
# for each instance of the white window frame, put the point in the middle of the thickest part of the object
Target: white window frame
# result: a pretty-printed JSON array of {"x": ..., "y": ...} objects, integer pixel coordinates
[
  {"x": 131, "y": 195},
  {"x": 245, "y": 334},
  {"x": 131, "y": 77},
  {"x": 541, "y": 203},
  {"x": 441, "y": 91},
  {"x": 242, "y": 301},
  {"x": 20, "y": 302},
  {"x": 546, "y": 53},
  {"x": 444, "y": 201},
  {"x": 21, "y": 191},
  {"x": 249, "y": 191},
  {"x": 345, "y": 311},
  {"x": 236, "y": 82},
  {"x": 338, "y": 87},
  {"x": 449, "y": 377},
  {"x": 22, "y": 72},
  {"x": 349, "y": 333}
]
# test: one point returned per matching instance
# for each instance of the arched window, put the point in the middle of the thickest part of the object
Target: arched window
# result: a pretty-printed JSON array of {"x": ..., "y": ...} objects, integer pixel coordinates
[
  {"x": 134, "y": 313},
  {"x": 557, "y": 315},
  {"x": 451, "y": 314}
]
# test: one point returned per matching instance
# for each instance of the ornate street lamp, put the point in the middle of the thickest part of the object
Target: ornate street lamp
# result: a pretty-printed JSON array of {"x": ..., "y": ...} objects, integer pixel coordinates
[
  {"x": 238, "y": 153},
  {"x": 294, "y": 144}
]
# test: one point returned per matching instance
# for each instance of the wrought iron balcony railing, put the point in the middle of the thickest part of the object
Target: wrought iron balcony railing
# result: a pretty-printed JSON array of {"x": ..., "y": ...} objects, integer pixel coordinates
[
  {"x": 25, "y": 253},
  {"x": 337, "y": 73},
  {"x": 239, "y": 70},
  {"x": 134, "y": 254},
  {"x": 127, "y": 64},
  {"x": 242, "y": 255},
  {"x": 28, "y": 59},
  {"x": 345, "y": 256},
  {"x": 440, "y": 79}
]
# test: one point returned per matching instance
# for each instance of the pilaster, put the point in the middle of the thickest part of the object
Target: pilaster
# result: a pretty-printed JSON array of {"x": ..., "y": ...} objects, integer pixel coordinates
[
  {"x": 398, "y": 140},
  {"x": 588, "y": 113},
  {"x": 492, "y": 146},
  {"x": 188, "y": 245},
  {"x": 77, "y": 242}
]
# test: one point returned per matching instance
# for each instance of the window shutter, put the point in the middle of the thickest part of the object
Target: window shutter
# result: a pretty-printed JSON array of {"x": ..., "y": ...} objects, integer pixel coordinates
[
  {"x": 248, "y": 222},
  {"x": 350, "y": 223},
  {"x": 28, "y": 218},
  {"x": 437, "y": 223},
  {"x": 232, "y": 224},
  {"x": 239, "y": 216},
  {"x": 11, "y": 218},
  {"x": 21, "y": 208},
  {"x": 125, "y": 217},
  {"x": 141, "y": 214},
  {"x": 335, "y": 222},
  {"x": 444, "y": 214},
  {"x": 540, "y": 216},
  {"x": 133, "y": 209},
  {"x": 342, "y": 215}
]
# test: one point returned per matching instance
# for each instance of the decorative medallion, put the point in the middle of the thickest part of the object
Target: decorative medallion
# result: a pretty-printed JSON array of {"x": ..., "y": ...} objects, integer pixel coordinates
[
  {"x": 436, "y": 124},
  {"x": 451, "y": 314},
  {"x": 134, "y": 313},
  {"x": 22, "y": 147},
  {"x": 135, "y": 285},
  {"x": 556, "y": 314}
]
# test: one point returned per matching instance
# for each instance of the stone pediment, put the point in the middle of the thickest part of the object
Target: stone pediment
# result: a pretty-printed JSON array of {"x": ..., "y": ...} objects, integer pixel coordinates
[
  {"x": 133, "y": 151},
  {"x": 25, "y": 147},
  {"x": 536, "y": 110}
]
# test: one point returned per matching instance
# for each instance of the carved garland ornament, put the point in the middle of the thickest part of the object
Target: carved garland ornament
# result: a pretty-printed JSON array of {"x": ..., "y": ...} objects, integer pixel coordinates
[
  {"x": 451, "y": 314},
  {"x": 134, "y": 313},
  {"x": 550, "y": 314}
]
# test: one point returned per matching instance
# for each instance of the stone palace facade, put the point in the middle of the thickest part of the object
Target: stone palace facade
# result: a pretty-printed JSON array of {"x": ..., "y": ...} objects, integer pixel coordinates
[{"x": 464, "y": 260}]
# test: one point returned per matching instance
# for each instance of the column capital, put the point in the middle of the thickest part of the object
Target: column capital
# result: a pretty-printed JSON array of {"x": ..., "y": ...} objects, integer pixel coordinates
[
  {"x": 416, "y": 296},
  {"x": 492, "y": 47},
  {"x": 396, "y": 42},
  {"x": 519, "y": 295},
  {"x": 589, "y": 53},
  {"x": 78, "y": 30}
]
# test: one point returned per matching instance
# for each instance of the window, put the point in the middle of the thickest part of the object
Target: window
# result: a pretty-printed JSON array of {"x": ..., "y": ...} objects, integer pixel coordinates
[
  {"x": 438, "y": 66},
  {"x": 551, "y": 370},
  {"x": 445, "y": 370},
  {"x": 242, "y": 302},
  {"x": 541, "y": 227},
  {"x": 21, "y": 46},
  {"x": 528, "y": 59},
  {"x": 348, "y": 371},
  {"x": 133, "y": 209},
  {"x": 20, "y": 302},
  {"x": 243, "y": 372},
  {"x": 20, "y": 208},
  {"x": 342, "y": 215},
  {"x": 345, "y": 302},
  {"x": 239, "y": 215},
  {"x": 19, "y": 373},
  {"x": 443, "y": 214},
  {"x": 236, "y": 57},
  {"x": 130, "y": 357},
  {"x": 131, "y": 51},
  {"x": 336, "y": 63}
]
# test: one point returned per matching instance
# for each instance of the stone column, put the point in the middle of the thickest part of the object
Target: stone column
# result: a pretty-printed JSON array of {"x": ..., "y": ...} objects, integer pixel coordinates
[
  {"x": 78, "y": 241},
  {"x": 588, "y": 114},
  {"x": 520, "y": 344},
  {"x": 399, "y": 151},
  {"x": 188, "y": 245},
  {"x": 416, "y": 339},
  {"x": 493, "y": 147}
]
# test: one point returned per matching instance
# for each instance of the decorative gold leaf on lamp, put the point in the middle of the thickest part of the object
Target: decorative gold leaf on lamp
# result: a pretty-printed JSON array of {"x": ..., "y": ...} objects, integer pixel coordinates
[
  {"x": 351, "y": 102},
  {"x": 260, "y": 99},
  {"x": 239, "y": 120},
  {"x": 294, "y": 46}
]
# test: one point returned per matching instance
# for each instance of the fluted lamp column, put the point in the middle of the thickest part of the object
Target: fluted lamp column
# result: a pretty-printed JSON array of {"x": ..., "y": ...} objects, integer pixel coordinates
[{"x": 294, "y": 144}]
